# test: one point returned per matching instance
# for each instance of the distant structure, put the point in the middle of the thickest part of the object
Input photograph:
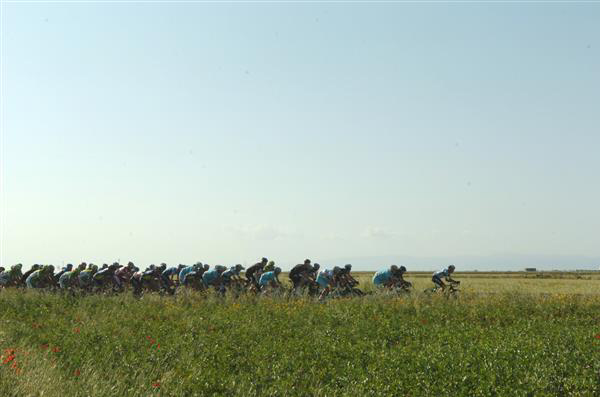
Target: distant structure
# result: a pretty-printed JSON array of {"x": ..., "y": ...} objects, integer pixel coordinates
[{"x": 530, "y": 269}]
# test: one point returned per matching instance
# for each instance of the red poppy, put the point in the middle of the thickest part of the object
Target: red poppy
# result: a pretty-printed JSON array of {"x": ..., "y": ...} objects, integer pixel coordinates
[
  {"x": 56, "y": 349},
  {"x": 45, "y": 346},
  {"x": 156, "y": 385},
  {"x": 598, "y": 336},
  {"x": 76, "y": 330},
  {"x": 158, "y": 345},
  {"x": 77, "y": 372},
  {"x": 423, "y": 321},
  {"x": 9, "y": 359}
]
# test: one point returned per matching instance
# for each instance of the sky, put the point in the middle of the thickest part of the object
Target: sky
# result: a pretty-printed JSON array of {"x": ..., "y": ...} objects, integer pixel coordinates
[{"x": 369, "y": 133}]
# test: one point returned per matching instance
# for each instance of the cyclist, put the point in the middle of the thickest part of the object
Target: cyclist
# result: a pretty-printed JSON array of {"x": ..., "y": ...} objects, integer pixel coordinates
[
  {"x": 326, "y": 280},
  {"x": 12, "y": 276},
  {"x": 69, "y": 279},
  {"x": 123, "y": 275},
  {"x": 300, "y": 273},
  {"x": 168, "y": 275},
  {"x": 437, "y": 277},
  {"x": 192, "y": 275},
  {"x": 253, "y": 272},
  {"x": 213, "y": 276},
  {"x": 270, "y": 280},
  {"x": 391, "y": 277},
  {"x": 41, "y": 277},
  {"x": 86, "y": 277},
  {"x": 67, "y": 268},
  {"x": 106, "y": 275},
  {"x": 29, "y": 272},
  {"x": 232, "y": 274}
]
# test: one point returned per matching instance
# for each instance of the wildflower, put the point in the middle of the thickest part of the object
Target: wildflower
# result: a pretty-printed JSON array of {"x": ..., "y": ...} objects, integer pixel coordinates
[
  {"x": 56, "y": 349},
  {"x": 77, "y": 372},
  {"x": 156, "y": 385},
  {"x": 158, "y": 345},
  {"x": 598, "y": 336},
  {"x": 45, "y": 346},
  {"x": 423, "y": 321},
  {"x": 9, "y": 359},
  {"x": 76, "y": 330}
]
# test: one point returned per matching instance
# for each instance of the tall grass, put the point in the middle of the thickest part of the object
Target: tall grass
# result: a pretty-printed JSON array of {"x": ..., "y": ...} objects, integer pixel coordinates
[{"x": 194, "y": 345}]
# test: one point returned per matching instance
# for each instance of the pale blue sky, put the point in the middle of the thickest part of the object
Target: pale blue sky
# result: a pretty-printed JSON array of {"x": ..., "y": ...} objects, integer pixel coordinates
[{"x": 225, "y": 132}]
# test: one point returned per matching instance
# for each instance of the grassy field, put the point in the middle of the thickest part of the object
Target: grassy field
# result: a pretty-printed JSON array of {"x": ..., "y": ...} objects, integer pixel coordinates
[{"x": 501, "y": 337}]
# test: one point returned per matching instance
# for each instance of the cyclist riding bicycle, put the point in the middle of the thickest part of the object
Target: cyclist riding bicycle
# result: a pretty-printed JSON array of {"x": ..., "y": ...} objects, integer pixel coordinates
[
  {"x": 270, "y": 280},
  {"x": 29, "y": 272},
  {"x": 299, "y": 273},
  {"x": 326, "y": 280},
  {"x": 392, "y": 277},
  {"x": 437, "y": 277},
  {"x": 86, "y": 276},
  {"x": 69, "y": 280},
  {"x": 40, "y": 278},
  {"x": 213, "y": 277},
  {"x": 253, "y": 272},
  {"x": 11, "y": 277},
  {"x": 167, "y": 277}
]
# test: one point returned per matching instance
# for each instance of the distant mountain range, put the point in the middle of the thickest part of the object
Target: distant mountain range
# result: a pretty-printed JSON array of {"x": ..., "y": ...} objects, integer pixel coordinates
[{"x": 484, "y": 263}]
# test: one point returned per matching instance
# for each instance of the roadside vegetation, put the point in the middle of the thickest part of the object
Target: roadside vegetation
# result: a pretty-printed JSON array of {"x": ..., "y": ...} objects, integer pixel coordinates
[{"x": 510, "y": 343}]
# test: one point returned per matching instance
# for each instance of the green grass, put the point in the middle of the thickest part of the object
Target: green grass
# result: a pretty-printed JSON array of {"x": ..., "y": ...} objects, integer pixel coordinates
[{"x": 511, "y": 344}]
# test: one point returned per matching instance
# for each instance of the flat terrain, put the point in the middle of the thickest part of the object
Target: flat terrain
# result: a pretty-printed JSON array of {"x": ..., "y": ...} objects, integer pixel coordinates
[{"x": 505, "y": 335}]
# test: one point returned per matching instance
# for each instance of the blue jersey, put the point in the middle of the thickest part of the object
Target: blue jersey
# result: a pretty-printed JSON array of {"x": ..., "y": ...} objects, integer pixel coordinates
[
  {"x": 442, "y": 273},
  {"x": 184, "y": 272},
  {"x": 210, "y": 276},
  {"x": 382, "y": 277},
  {"x": 266, "y": 278},
  {"x": 325, "y": 277}
]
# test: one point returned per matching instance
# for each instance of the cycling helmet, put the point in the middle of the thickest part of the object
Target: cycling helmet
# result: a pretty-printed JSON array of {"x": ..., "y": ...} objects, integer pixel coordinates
[
  {"x": 336, "y": 270},
  {"x": 307, "y": 261},
  {"x": 50, "y": 269},
  {"x": 402, "y": 269},
  {"x": 451, "y": 267},
  {"x": 348, "y": 267},
  {"x": 394, "y": 268},
  {"x": 264, "y": 260},
  {"x": 316, "y": 267},
  {"x": 105, "y": 266},
  {"x": 94, "y": 268},
  {"x": 239, "y": 267},
  {"x": 205, "y": 267},
  {"x": 277, "y": 270},
  {"x": 18, "y": 266}
]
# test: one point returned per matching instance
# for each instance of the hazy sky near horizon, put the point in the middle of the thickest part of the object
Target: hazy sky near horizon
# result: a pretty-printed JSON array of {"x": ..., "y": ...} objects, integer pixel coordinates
[{"x": 227, "y": 132}]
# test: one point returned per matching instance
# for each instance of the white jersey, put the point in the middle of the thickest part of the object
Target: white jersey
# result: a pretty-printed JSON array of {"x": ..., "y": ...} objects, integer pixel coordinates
[{"x": 442, "y": 273}]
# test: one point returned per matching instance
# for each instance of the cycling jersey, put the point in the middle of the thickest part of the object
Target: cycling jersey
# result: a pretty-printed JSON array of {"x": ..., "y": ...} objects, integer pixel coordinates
[
  {"x": 34, "y": 279},
  {"x": 266, "y": 278},
  {"x": 210, "y": 276},
  {"x": 67, "y": 279},
  {"x": 442, "y": 273},
  {"x": 382, "y": 277},
  {"x": 325, "y": 277},
  {"x": 184, "y": 273}
]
